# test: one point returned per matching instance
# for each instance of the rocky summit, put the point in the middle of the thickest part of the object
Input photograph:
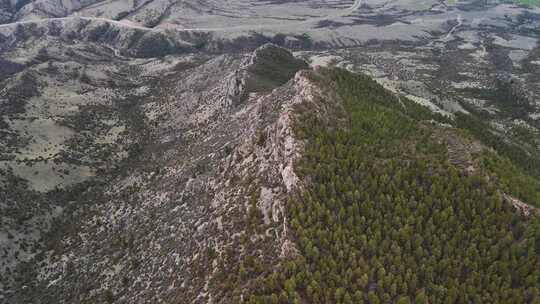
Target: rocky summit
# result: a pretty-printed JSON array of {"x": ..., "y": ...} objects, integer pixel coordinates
[{"x": 241, "y": 151}]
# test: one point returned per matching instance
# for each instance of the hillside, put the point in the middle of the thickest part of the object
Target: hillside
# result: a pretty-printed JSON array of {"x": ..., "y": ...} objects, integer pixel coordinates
[
  {"x": 389, "y": 216},
  {"x": 174, "y": 171},
  {"x": 297, "y": 185},
  {"x": 283, "y": 151}
]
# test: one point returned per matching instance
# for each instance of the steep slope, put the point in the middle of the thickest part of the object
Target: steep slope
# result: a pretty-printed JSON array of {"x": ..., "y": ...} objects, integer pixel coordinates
[
  {"x": 389, "y": 215},
  {"x": 137, "y": 165},
  {"x": 197, "y": 178},
  {"x": 163, "y": 221}
]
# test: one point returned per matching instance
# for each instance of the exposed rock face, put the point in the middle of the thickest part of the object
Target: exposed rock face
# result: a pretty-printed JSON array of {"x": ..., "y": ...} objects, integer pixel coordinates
[
  {"x": 268, "y": 67},
  {"x": 141, "y": 154},
  {"x": 177, "y": 217},
  {"x": 521, "y": 207}
]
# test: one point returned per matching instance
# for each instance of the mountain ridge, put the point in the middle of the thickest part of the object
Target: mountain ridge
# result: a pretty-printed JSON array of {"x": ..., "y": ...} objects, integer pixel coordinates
[{"x": 300, "y": 152}]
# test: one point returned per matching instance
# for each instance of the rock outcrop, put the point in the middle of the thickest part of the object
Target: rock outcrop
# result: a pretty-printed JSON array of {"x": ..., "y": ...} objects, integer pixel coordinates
[{"x": 203, "y": 192}]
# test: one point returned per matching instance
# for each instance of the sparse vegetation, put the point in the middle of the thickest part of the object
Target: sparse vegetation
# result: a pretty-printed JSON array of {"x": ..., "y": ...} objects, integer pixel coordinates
[{"x": 186, "y": 156}]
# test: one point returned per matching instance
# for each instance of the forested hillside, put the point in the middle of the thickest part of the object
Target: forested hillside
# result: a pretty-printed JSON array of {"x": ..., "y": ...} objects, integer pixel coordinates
[{"x": 391, "y": 215}]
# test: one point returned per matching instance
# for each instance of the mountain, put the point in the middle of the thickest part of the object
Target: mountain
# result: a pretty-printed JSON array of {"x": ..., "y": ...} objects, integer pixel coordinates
[
  {"x": 390, "y": 213},
  {"x": 125, "y": 128},
  {"x": 269, "y": 152}
]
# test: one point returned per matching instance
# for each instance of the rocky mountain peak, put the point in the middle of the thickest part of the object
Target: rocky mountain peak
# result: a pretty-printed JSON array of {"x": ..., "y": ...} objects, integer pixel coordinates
[
  {"x": 198, "y": 170},
  {"x": 268, "y": 67},
  {"x": 172, "y": 152}
]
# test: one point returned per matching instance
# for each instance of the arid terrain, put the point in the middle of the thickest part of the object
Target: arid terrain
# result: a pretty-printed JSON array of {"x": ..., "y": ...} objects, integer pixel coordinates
[{"x": 136, "y": 136}]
